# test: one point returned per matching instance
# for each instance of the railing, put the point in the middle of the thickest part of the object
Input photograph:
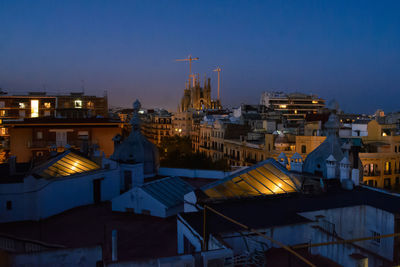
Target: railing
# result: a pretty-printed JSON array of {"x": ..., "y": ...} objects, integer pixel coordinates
[
  {"x": 46, "y": 143},
  {"x": 373, "y": 173}
]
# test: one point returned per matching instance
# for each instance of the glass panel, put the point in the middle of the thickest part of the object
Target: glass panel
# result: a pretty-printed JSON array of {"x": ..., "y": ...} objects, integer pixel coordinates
[
  {"x": 280, "y": 175},
  {"x": 224, "y": 191},
  {"x": 266, "y": 182},
  {"x": 212, "y": 193},
  {"x": 234, "y": 188},
  {"x": 239, "y": 181},
  {"x": 281, "y": 183}
]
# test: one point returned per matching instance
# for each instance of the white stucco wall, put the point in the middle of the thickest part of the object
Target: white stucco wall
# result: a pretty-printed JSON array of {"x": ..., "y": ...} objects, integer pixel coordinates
[
  {"x": 40, "y": 198},
  {"x": 138, "y": 200},
  {"x": 357, "y": 222}
]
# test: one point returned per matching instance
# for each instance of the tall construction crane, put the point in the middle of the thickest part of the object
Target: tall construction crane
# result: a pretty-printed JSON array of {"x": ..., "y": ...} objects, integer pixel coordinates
[
  {"x": 218, "y": 70},
  {"x": 190, "y": 59}
]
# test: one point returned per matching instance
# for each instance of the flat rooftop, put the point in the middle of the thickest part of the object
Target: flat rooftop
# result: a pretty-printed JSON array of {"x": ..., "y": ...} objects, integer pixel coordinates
[
  {"x": 139, "y": 236},
  {"x": 279, "y": 210}
]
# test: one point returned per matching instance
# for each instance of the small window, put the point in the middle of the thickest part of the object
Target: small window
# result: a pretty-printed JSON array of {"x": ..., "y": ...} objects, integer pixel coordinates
[
  {"x": 9, "y": 205},
  {"x": 303, "y": 149},
  {"x": 397, "y": 180},
  {"x": 39, "y": 135},
  {"x": 47, "y": 105},
  {"x": 22, "y": 105},
  {"x": 375, "y": 241}
]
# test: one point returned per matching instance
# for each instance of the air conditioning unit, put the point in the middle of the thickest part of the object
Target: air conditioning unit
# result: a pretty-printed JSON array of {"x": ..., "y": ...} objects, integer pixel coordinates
[{"x": 218, "y": 258}]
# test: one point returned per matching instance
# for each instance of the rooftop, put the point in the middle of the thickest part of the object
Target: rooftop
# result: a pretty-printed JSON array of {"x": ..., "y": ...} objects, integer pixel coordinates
[
  {"x": 278, "y": 210},
  {"x": 139, "y": 236}
]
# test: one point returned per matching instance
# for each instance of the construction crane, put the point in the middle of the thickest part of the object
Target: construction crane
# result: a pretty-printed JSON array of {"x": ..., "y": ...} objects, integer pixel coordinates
[
  {"x": 218, "y": 70},
  {"x": 190, "y": 59}
]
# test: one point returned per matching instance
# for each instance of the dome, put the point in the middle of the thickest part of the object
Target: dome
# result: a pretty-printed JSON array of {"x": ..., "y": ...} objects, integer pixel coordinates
[
  {"x": 282, "y": 142},
  {"x": 315, "y": 162},
  {"x": 136, "y": 148}
]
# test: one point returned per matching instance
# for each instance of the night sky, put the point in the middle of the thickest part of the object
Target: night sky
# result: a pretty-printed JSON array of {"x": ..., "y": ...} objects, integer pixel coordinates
[{"x": 343, "y": 50}]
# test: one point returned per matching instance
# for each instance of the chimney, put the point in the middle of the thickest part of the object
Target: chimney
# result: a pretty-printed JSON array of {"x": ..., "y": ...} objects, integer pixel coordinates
[
  {"x": 331, "y": 167},
  {"x": 114, "y": 245},
  {"x": 345, "y": 169},
  {"x": 11, "y": 165}
]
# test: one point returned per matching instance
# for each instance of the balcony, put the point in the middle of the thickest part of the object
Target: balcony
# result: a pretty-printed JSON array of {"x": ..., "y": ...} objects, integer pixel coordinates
[
  {"x": 372, "y": 173},
  {"x": 387, "y": 172},
  {"x": 47, "y": 144}
]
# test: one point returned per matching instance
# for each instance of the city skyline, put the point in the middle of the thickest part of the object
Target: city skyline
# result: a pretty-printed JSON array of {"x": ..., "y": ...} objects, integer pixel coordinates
[{"x": 343, "y": 51}]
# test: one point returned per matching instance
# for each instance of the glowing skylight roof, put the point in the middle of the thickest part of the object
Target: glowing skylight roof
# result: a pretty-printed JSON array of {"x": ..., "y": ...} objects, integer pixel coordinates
[
  {"x": 265, "y": 178},
  {"x": 68, "y": 164}
]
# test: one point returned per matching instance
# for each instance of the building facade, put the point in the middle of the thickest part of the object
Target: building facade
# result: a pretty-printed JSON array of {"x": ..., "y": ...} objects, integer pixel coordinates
[{"x": 294, "y": 106}]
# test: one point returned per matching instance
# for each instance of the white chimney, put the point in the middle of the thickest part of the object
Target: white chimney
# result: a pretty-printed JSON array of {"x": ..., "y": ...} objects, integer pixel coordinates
[
  {"x": 345, "y": 168},
  {"x": 355, "y": 176},
  {"x": 331, "y": 167},
  {"x": 114, "y": 245}
]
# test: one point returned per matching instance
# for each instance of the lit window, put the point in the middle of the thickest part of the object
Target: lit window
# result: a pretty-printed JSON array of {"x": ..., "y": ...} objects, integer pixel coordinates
[
  {"x": 282, "y": 106},
  {"x": 47, "y": 105},
  {"x": 2, "y": 113},
  {"x": 3, "y": 131},
  {"x": 90, "y": 104},
  {"x": 295, "y": 111},
  {"x": 78, "y": 103},
  {"x": 34, "y": 108},
  {"x": 315, "y": 101},
  {"x": 384, "y": 134},
  {"x": 21, "y": 105},
  {"x": 39, "y": 135}
]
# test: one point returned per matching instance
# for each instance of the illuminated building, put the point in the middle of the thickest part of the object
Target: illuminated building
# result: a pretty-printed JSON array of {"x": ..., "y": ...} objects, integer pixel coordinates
[
  {"x": 381, "y": 156},
  {"x": 157, "y": 125},
  {"x": 33, "y": 139},
  {"x": 294, "y": 106},
  {"x": 41, "y": 104}
]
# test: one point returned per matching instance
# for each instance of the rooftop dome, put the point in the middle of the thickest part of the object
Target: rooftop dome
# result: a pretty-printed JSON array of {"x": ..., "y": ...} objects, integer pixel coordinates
[
  {"x": 136, "y": 148},
  {"x": 315, "y": 162}
]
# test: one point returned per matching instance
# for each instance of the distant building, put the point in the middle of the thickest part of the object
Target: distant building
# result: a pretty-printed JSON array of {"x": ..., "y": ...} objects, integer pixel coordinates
[
  {"x": 294, "y": 106},
  {"x": 157, "y": 125},
  {"x": 41, "y": 104},
  {"x": 196, "y": 97}
]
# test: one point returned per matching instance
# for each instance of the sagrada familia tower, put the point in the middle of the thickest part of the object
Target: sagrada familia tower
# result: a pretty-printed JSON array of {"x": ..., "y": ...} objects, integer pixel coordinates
[{"x": 196, "y": 97}]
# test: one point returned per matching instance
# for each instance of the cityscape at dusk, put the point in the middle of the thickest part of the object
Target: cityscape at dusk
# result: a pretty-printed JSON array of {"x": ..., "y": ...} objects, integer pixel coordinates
[{"x": 199, "y": 133}]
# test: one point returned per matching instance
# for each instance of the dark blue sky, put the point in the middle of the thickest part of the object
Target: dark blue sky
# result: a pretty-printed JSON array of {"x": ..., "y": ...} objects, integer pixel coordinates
[{"x": 346, "y": 50}]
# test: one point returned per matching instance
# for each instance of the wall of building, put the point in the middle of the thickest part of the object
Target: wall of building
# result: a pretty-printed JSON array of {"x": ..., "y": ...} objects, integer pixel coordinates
[
  {"x": 137, "y": 200},
  {"x": 193, "y": 173},
  {"x": 104, "y": 136},
  {"x": 60, "y": 257},
  {"x": 39, "y": 198},
  {"x": 19, "y": 144},
  {"x": 357, "y": 222}
]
